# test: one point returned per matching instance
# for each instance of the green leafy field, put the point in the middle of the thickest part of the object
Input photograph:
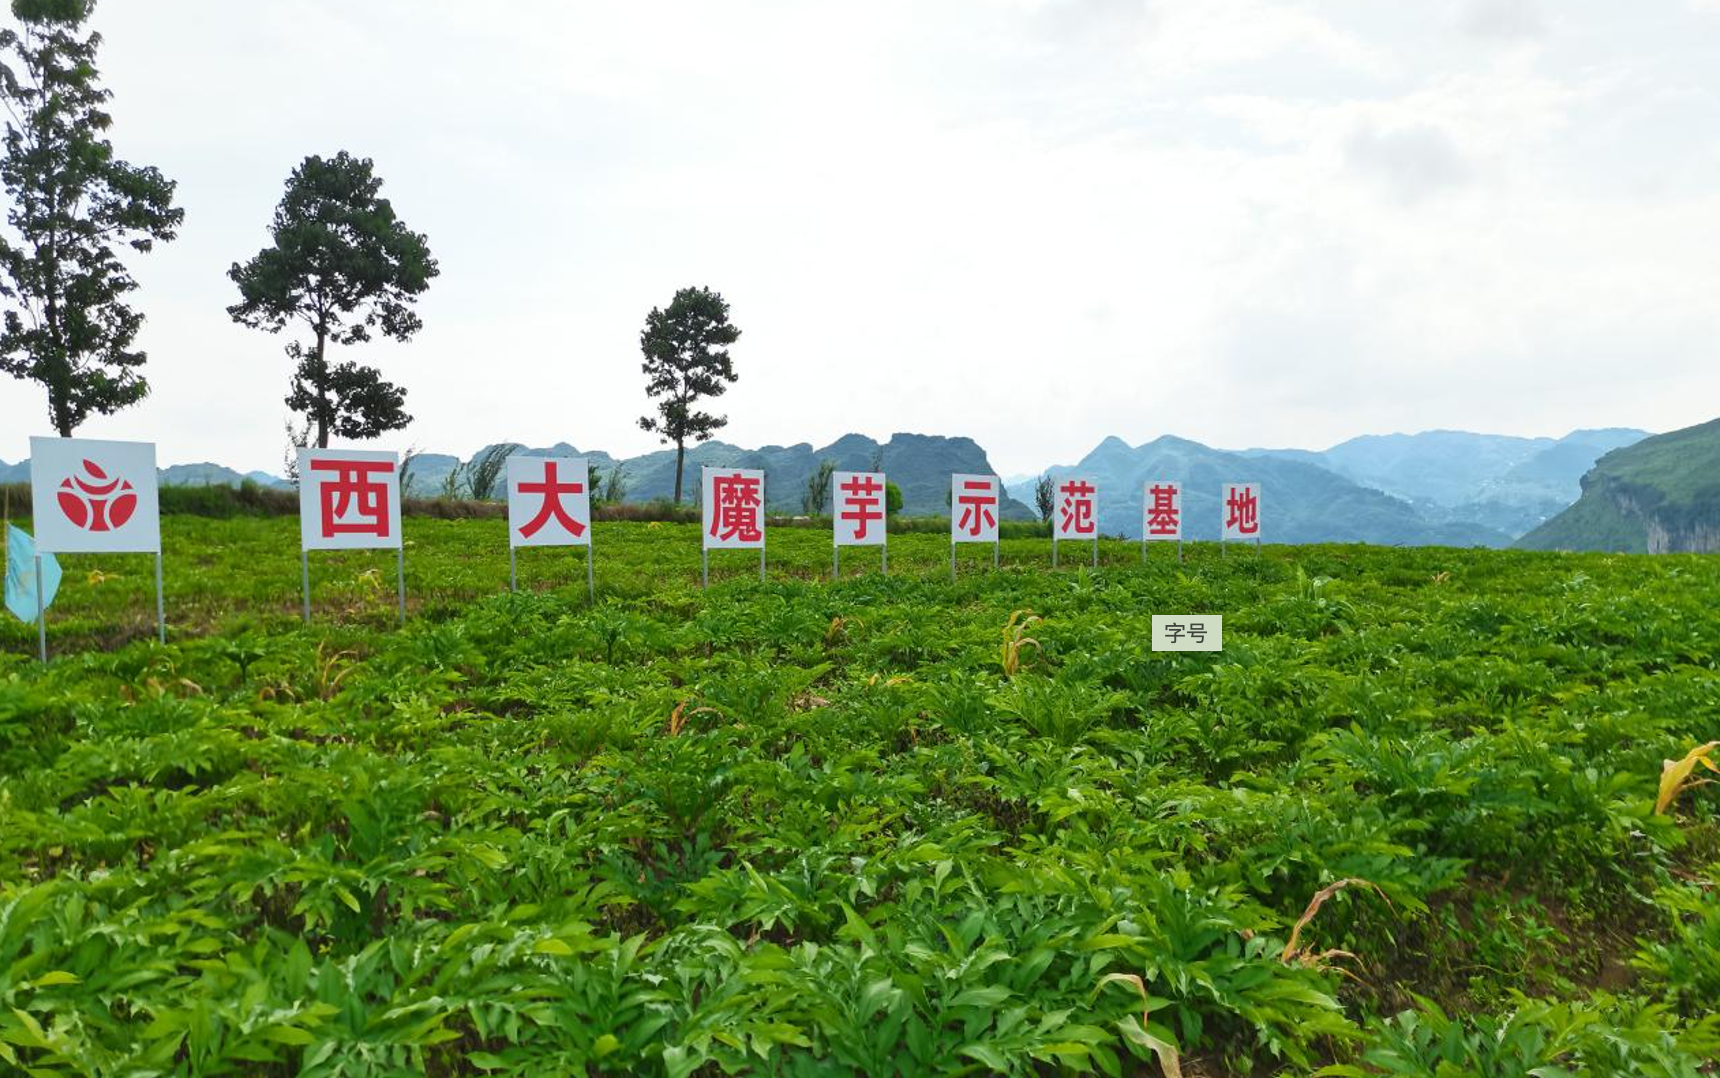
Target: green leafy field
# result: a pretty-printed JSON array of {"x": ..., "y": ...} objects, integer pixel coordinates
[{"x": 802, "y": 828}]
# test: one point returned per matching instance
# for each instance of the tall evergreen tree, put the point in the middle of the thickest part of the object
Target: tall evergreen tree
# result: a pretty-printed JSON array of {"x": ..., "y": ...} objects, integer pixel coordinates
[
  {"x": 687, "y": 359},
  {"x": 71, "y": 202},
  {"x": 342, "y": 264}
]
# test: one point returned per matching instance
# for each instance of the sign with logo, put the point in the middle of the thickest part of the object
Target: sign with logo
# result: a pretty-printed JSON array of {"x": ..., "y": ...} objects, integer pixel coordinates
[
  {"x": 974, "y": 506},
  {"x": 549, "y": 501},
  {"x": 1161, "y": 510},
  {"x": 733, "y": 501},
  {"x": 93, "y": 496},
  {"x": 1241, "y": 511},
  {"x": 859, "y": 508},
  {"x": 1077, "y": 510},
  {"x": 1188, "y": 632},
  {"x": 349, "y": 499}
]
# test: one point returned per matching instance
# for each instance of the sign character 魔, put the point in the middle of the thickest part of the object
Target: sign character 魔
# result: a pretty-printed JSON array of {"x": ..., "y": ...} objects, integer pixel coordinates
[{"x": 737, "y": 508}]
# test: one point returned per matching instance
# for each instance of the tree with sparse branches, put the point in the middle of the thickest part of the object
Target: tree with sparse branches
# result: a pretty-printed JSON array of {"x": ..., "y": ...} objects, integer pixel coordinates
[
  {"x": 1045, "y": 495},
  {"x": 818, "y": 488},
  {"x": 342, "y": 264},
  {"x": 70, "y": 203},
  {"x": 687, "y": 359}
]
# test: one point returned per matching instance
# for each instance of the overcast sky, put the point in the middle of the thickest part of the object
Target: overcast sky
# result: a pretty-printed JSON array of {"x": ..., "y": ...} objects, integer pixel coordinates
[{"x": 1034, "y": 222}]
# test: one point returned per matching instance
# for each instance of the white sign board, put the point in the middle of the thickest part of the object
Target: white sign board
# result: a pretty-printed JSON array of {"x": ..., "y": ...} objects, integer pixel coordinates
[
  {"x": 733, "y": 500},
  {"x": 857, "y": 501},
  {"x": 549, "y": 501},
  {"x": 1161, "y": 510},
  {"x": 1188, "y": 632},
  {"x": 974, "y": 506},
  {"x": 1241, "y": 511},
  {"x": 1076, "y": 509},
  {"x": 349, "y": 499},
  {"x": 92, "y": 496}
]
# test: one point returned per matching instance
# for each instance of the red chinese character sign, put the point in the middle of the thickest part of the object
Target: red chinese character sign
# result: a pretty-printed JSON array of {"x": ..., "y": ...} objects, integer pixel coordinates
[
  {"x": 733, "y": 500},
  {"x": 1076, "y": 515},
  {"x": 348, "y": 499},
  {"x": 1161, "y": 511},
  {"x": 94, "y": 496},
  {"x": 974, "y": 508},
  {"x": 1241, "y": 511},
  {"x": 859, "y": 508},
  {"x": 549, "y": 501}
]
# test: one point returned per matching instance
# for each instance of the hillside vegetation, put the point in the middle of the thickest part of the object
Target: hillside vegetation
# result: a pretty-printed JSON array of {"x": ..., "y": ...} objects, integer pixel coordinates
[
  {"x": 1406, "y": 822},
  {"x": 1660, "y": 495}
]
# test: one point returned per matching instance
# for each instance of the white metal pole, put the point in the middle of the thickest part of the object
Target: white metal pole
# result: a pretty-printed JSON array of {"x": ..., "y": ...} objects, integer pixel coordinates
[
  {"x": 590, "y": 576},
  {"x": 513, "y": 574},
  {"x": 305, "y": 579},
  {"x": 41, "y": 611},
  {"x": 705, "y": 567},
  {"x": 761, "y": 564},
  {"x": 160, "y": 604},
  {"x": 835, "y": 562},
  {"x": 400, "y": 579}
]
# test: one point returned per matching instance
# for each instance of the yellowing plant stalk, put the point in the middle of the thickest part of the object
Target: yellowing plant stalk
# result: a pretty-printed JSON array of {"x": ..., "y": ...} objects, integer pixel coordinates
[
  {"x": 1675, "y": 774},
  {"x": 1015, "y": 638}
]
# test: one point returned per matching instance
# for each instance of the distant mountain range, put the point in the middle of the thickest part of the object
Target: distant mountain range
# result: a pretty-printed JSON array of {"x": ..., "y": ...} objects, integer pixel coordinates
[
  {"x": 1660, "y": 495},
  {"x": 1436, "y": 487},
  {"x": 1501, "y": 482}
]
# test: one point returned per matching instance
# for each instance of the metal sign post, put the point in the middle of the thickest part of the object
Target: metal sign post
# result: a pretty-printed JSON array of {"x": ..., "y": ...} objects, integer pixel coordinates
[
  {"x": 305, "y": 577},
  {"x": 41, "y": 611},
  {"x": 160, "y": 604},
  {"x": 590, "y": 576},
  {"x": 513, "y": 572},
  {"x": 400, "y": 579}
]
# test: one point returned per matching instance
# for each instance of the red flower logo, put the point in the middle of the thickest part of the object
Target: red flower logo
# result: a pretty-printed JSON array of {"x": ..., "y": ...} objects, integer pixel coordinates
[{"x": 94, "y": 502}]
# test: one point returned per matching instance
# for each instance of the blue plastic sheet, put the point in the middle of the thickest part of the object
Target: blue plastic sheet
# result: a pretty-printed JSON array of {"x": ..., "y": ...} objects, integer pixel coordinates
[{"x": 21, "y": 575}]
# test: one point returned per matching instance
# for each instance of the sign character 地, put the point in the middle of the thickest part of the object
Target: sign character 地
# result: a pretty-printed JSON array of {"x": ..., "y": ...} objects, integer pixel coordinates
[{"x": 1241, "y": 511}]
